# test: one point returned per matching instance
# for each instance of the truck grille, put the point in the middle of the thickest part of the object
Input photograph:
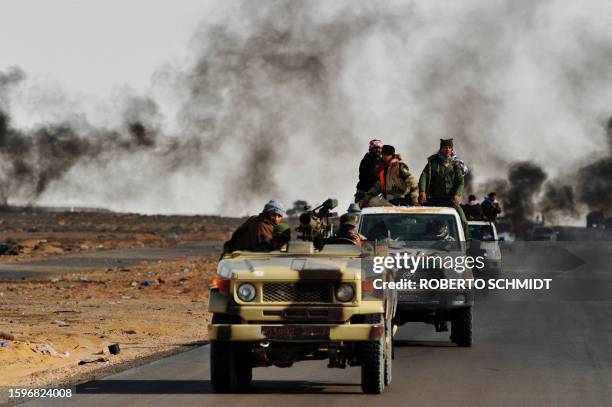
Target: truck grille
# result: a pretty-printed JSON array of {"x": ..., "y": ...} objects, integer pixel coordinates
[
  {"x": 297, "y": 292},
  {"x": 420, "y": 274}
]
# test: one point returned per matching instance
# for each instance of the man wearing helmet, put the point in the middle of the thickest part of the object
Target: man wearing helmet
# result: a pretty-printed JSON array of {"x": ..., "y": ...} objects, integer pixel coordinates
[{"x": 348, "y": 231}]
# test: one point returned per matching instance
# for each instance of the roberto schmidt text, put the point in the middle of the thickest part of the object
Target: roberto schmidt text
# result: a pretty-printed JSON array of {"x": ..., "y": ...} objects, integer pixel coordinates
[{"x": 465, "y": 284}]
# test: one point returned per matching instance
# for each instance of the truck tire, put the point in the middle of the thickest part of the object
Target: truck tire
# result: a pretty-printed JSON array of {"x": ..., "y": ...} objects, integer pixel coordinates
[
  {"x": 222, "y": 372},
  {"x": 389, "y": 352},
  {"x": 461, "y": 326},
  {"x": 230, "y": 366},
  {"x": 243, "y": 366},
  {"x": 373, "y": 361}
]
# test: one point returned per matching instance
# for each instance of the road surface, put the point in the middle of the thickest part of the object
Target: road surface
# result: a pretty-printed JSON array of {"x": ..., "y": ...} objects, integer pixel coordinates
[
  {"x": 39, "y": 268},
  {"x": 531, "y": 348}
]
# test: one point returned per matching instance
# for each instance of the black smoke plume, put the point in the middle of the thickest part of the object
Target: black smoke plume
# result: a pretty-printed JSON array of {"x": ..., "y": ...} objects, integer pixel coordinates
[
  {"x": 518, "y": 194},
  {"x": 594, "y": 180},
  {"x": 31, "y": 160},
  {"x": 558, "y": 202},
  {"x": 258, "y": 89}
]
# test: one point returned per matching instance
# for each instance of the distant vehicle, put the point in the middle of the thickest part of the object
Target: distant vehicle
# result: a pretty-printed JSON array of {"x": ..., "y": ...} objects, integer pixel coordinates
[
  {"x": 484, "y": 236},
  {"x": 596, "y": 220},
  {"x": 504, "y": 230},
  {"x": 506, "y": 237},
  {"x": 416, "y": 231},
  {"x": 544, "y": 234}
]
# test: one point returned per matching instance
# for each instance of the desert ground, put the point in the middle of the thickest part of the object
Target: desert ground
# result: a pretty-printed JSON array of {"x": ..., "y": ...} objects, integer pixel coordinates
[{"x": 56, "y": 322}]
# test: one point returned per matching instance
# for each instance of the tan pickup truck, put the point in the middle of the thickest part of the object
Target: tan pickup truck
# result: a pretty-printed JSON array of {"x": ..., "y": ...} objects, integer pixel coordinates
[{"x": 278, "y": 308}]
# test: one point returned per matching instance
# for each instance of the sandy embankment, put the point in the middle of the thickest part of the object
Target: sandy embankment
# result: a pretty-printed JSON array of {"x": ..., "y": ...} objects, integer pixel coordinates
[{"x": 54, "y": 323}]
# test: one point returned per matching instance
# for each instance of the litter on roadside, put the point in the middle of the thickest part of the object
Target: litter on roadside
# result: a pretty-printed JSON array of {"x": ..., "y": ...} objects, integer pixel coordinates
[{"x": 92, "y": 360}]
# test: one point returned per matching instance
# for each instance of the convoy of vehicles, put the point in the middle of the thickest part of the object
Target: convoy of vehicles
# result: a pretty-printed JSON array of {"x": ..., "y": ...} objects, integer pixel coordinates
[{"x": 318, "y": 301}]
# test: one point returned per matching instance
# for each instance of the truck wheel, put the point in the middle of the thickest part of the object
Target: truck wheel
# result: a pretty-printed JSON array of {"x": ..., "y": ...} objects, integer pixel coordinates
[
  {"x": 373, "y": 361},
  {"x": 222, "y": 372},
  {"x": 243, "y": 366},
  {"x": 389, "y": 352},
  {"x": 461, "y": 326},
  {"x": 230, "y": 366}
]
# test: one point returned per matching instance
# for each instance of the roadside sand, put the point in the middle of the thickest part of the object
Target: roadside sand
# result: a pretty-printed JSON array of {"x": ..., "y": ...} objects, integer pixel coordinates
[{"x": 147, "y": 309}]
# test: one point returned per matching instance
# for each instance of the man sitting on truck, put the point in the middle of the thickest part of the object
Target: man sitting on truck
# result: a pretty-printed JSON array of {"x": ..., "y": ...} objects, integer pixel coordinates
[
  {"x": 397, "y": 186},
  {"x": 490, "y": 207},
  {"x": 368, "y": 169},
  {"x": 258, "y": 232},
  {"x": 348, "y": 231},
  {"x": 472, "y": 209}
]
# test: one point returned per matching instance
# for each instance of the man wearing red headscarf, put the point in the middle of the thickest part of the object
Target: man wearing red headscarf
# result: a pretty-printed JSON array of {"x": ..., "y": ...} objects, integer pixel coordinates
[{"x": 368, "y": 169}]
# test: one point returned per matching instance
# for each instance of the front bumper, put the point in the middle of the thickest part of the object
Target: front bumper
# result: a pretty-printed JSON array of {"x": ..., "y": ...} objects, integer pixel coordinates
[
  {"x": 433, "y": 300},
  {"x": 295, "y": 332}
]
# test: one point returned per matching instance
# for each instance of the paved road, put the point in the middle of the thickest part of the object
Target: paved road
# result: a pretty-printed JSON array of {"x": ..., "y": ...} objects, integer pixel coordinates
[
  {"x": 103, "y": 259},
  {"x": 531, "y": 348}
]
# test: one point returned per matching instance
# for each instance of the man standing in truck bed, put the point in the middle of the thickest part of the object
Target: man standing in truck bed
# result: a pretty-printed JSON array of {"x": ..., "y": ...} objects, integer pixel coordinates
[{"x": 441, "y": 182}]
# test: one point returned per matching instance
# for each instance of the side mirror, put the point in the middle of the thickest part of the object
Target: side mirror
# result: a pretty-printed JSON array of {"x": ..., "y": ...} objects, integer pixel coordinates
[{"x": 501, "y": 239}]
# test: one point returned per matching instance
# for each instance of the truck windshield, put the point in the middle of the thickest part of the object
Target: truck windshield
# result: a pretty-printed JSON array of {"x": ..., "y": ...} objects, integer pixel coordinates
[{"x": 409, "y": 227}]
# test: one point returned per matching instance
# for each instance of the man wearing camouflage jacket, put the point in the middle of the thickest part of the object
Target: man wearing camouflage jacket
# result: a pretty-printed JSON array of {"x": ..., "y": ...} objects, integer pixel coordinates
[
  {"x": 258, "y": 232},
  {"x": 395, "y": 182},
  {"x": 441, "y": 182}
]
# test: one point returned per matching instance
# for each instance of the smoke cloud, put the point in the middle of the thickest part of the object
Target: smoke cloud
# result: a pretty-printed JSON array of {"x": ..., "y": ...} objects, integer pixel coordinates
[
  {"x": 558, "y": 202},
  {"x": 282, "y": 97},
  {"x": 594, "y": 180},
  {"x": 33, "y": 159},
  {"x": 525, "y": 180}
]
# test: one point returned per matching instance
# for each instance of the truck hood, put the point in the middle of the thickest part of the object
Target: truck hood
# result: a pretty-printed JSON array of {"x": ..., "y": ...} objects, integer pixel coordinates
[{"x": 291, "y": 268}]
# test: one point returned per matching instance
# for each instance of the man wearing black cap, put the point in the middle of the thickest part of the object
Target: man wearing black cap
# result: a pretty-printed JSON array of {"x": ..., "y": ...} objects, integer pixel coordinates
[
  {"x": 441, "y": 182},
  {"x": 395, "y": 182}
]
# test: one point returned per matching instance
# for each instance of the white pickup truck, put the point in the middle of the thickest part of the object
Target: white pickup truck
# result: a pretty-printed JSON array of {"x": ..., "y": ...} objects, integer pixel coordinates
[{"x": 426, "y": 232}]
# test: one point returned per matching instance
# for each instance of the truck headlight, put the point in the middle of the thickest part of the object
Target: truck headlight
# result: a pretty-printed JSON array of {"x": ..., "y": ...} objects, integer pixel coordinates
[
  {"x": 345, "y": 292},
  {"x": 246, "y": 292}
]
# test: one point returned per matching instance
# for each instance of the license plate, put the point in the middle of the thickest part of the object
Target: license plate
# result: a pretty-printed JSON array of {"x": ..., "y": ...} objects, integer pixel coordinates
[{"x": 295, "y": 332}]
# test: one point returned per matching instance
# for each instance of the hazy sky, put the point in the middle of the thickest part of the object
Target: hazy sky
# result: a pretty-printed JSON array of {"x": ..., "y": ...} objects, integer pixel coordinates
[
  {"x": 71, "y": 42},
  {"x": 300, "y": 88}
]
